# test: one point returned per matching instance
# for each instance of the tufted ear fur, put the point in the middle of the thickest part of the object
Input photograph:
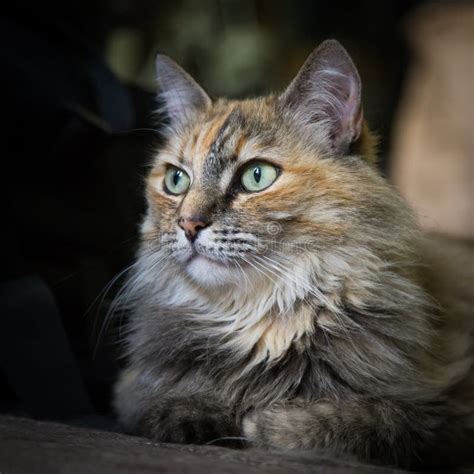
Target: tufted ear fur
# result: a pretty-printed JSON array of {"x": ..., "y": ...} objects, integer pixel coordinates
[
  {"x": 180, "y": 95},
  {"x": 325, "y": 96}
]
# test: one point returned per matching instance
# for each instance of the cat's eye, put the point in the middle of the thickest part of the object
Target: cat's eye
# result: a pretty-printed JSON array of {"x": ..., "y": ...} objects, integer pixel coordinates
[
  {"x": 176, "y": 180},
  {"x": 258, "y": 176}
]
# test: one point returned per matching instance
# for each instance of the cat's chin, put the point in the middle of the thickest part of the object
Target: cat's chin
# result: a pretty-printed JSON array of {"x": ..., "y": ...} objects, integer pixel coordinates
[{"x": 210, "y": 273}]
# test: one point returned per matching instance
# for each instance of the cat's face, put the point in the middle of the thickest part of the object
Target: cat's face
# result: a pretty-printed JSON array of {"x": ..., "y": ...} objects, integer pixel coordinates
[{"x": 242, "y": 189}]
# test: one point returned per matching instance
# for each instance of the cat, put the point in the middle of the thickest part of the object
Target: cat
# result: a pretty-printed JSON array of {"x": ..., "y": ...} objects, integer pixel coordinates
[{"x": 283, "y": 293}]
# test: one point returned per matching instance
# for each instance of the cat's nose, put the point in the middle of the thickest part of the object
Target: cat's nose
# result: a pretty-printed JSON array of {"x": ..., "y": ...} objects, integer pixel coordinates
[{"x": 192, "y": 225}]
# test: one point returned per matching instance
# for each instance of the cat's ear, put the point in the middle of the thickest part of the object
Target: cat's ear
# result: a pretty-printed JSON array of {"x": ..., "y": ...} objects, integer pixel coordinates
[
  {"x": 325, "y": 96},
  {"x": 180, "y": 96}
]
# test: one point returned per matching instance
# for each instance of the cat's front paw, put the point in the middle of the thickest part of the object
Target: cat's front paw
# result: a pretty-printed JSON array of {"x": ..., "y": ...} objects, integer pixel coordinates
[
  {"x": 189, "y": 421},
  {"x": 281, "y": 427},
  {"x": 269, "y": 429}
]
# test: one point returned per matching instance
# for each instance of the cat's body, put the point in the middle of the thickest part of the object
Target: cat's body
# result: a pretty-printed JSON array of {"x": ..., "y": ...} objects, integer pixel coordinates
[{"x": 310, "y": 314}]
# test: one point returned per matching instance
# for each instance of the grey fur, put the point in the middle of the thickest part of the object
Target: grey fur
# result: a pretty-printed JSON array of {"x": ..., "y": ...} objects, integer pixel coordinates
[{"x": 363, "y": 343}]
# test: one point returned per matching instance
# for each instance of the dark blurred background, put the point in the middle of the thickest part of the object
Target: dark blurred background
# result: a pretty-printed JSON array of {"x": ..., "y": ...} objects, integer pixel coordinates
[{"x": 78, "y": 95}]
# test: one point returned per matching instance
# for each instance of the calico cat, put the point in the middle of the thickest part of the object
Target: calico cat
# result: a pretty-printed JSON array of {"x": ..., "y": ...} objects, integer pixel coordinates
[{"x": 283, "y": 292}]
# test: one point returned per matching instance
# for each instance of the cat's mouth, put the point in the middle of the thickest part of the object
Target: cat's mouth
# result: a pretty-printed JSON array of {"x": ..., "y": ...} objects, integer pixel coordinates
[
  {"x": 198, "y": 258},
  {"x": 202, "y": 256}
]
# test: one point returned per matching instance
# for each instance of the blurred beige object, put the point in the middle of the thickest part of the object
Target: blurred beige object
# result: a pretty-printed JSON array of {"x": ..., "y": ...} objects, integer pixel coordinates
[{"x": 433, "y": 151}]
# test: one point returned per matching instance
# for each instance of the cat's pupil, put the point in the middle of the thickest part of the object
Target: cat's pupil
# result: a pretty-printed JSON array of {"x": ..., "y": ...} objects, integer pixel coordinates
[
  {"x": 257, "y": 174},
  {"x": 177, "y": 177}
]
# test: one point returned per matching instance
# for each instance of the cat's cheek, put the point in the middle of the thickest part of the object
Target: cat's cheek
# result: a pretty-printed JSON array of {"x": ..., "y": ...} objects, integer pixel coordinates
[{"x": 147, "y": 227}]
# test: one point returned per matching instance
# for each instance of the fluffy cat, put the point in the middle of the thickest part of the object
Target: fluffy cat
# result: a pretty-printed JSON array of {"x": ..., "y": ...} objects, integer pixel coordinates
[{"x": 283, "y": 292}]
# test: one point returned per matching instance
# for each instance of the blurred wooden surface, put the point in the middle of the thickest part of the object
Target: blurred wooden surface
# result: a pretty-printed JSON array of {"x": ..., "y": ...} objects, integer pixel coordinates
[
  {"x": 433, "y": 153},
  {"x": 28, "y": 446}
]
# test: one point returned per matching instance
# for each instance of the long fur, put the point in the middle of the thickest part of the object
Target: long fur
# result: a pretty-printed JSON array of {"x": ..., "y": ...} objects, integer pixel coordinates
[{"x": 330, "y": 322}]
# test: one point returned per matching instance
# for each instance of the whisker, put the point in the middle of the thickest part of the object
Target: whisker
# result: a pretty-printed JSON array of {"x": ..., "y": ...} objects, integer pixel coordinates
[
  {"x": 130, "y": 240},
  {"x": 342, "y": 324},
  {"x": 246, "y": 278},
  {"x": 120, "y": 302},
  {"x": 261, "y": 271}
]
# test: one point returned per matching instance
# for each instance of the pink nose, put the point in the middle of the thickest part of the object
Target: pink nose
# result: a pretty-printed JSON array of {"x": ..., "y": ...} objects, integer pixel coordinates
[{"x": 192, "y": 225}]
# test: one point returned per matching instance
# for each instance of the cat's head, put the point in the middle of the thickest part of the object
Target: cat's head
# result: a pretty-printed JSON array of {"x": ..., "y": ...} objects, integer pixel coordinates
[{"x": 241, "y": 189}]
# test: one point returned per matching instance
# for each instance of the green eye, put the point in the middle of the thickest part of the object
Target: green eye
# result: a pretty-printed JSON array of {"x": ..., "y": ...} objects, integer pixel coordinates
[
  {"x": 176, "y": 181},
  {"x": 258, "y": 176}
]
